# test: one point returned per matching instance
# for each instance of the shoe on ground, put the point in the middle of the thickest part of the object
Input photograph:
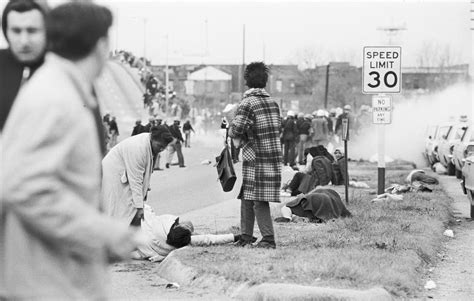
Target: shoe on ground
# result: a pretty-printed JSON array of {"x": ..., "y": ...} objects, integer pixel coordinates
[
  {"x": 182, "y": 166},
  {"x": 282, "y": 219},
  {"x": 157, "y": 168},
  {"x": 266, "y": 245},
  {"x": 243, "y": 241}
]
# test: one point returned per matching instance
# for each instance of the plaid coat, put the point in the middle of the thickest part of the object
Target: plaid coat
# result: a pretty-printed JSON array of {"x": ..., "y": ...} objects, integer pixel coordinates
[{"x": 258, "y": 122}]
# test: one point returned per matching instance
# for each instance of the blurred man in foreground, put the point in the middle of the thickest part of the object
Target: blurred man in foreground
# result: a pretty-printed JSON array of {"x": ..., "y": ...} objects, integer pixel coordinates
[
  {"x": 24, "y": 28},
  {"x": 54, "y": 243}
]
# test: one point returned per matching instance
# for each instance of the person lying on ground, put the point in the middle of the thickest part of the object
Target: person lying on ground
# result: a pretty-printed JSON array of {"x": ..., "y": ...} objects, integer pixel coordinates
[
  {"x": 420, "y": 176},
  {"x": 319, "y": 205},
  {"x": 166, "y": 233}
]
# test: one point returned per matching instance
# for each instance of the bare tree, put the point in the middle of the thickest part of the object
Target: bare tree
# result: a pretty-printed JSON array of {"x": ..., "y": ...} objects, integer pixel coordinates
[
  {"x": 309, "y": 57},
  {"x": 436, "y": 54}
]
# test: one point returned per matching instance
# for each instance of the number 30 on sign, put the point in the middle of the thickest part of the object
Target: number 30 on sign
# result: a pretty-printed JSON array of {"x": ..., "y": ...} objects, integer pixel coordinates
[{"x": 382, "y": 70}]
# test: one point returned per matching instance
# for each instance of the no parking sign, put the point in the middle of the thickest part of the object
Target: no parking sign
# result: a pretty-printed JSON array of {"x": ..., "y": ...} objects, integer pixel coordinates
[{"x": 382, "y": 69}]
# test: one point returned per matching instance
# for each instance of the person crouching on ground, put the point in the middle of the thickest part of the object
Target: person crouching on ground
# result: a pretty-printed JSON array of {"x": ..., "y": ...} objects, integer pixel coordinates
[
  {"x": 126, "y": 173},
  {"x": 165, "y": 233},
  {"x": 319, "y": 205},
  {"x": 258, "y": 115}
]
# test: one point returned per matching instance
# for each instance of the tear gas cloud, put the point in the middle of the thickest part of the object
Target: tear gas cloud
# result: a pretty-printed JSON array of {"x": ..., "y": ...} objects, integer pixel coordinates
[{"x": 405, "y": 136}]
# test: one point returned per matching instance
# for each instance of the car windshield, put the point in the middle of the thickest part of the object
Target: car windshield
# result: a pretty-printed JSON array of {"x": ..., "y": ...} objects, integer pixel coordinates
[
  {"x": 432, "y": 131},
  {"x": 443, "y": 131},
  {"x": 459, "y": 133}
]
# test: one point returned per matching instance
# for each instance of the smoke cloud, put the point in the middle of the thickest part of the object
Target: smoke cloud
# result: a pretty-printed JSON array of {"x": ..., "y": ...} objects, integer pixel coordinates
[{"x": 405, "y": 136}]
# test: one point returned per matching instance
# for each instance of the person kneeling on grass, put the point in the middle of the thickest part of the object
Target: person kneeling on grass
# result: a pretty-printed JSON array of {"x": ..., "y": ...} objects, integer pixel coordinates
[
  {"x": 165, "y": 233},
  {"x": 318, "y": 172},
  {"x": 319, "y": 205}
]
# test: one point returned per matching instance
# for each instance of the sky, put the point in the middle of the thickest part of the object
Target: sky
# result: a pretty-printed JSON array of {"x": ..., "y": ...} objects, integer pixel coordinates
[{"x": 281, "y": 32}]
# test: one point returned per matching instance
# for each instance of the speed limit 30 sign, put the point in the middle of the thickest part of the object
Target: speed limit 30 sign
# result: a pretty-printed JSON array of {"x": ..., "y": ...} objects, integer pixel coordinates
[{"x": 382, "y": 69}]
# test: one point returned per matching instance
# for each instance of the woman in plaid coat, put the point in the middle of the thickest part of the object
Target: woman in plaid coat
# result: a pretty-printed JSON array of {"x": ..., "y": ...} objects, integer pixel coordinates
[{"x": 257, "y": 124}]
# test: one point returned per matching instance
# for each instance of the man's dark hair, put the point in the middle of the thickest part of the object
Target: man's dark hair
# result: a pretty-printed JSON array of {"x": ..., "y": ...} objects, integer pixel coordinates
[
  {"x": 178, "y": 237},
  {"x": 161, "y": 133},
  {"x": 256, "y": 75},
  {"x": 75, "y": 28},
  {"x": 22, "y": 6}
]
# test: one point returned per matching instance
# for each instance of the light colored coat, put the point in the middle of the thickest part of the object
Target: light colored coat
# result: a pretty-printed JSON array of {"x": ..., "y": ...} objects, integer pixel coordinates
[
  {"x": 320, "y": 129},
  {"x": 126, "y": 173},
  {"x": 54, "y": 243}
]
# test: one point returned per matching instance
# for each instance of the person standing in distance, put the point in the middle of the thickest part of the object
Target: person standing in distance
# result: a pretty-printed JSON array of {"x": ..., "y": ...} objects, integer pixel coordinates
[
  {"x": 24, "y": 28},
  {"x": 54, "y": 242},
  {"x": 257, "y": 124}
]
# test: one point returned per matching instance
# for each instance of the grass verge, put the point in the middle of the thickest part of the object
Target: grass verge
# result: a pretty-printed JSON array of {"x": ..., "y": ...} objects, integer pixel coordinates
[{"x": 386, "y": 244}]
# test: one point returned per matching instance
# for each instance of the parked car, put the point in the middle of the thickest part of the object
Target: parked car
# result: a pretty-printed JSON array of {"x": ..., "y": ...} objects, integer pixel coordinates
[
  {"x": 430, "y": 143},
  {"x": 446, "y": 145},
  {"x": 443, "y": 130},
  {"x": 462, "y": 149},
  {"x": 467, "y": 183}
]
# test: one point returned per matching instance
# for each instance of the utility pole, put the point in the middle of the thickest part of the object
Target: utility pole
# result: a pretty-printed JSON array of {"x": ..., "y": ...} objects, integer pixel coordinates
[
  {"x": 144, "y": 38},
  {"x": 206, "y": 51},
  {"x": 166, "y": 79},
  {"x": 327, "y": 87},
  {"x": 116, "y": 28}
]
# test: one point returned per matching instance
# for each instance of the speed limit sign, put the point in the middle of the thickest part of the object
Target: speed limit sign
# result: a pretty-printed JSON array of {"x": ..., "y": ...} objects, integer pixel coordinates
[{"x": 382, "y": 70}]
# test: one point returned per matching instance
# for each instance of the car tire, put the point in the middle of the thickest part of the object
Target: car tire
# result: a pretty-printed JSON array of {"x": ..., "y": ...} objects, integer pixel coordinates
[
  {"x": 451, "y": 169},
  {"x": 458, "y": 173}
]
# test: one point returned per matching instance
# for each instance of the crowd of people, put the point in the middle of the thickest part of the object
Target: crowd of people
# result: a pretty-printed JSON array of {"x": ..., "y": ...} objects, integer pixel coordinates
[
  {"x": 175, "y": 130},
  {"x": 301, "y": 131},
  {"x": 75, "y": 201}
]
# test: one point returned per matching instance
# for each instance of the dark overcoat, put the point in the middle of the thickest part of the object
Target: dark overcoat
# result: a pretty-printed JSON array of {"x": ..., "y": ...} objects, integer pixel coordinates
[{"x": 258, "y": 122}]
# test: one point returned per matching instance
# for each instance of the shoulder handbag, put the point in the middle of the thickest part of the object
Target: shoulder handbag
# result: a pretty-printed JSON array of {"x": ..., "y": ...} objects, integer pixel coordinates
[{"x": 225, "y": 169}]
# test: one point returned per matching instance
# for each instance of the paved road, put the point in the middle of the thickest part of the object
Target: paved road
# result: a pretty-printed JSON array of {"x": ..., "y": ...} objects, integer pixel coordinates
[
  {"x": 175, "y": 190},
  {"x": 179, "y": 190}
]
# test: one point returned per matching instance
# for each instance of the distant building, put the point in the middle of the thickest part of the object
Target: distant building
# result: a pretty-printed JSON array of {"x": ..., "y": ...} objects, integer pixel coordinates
[
  {"x": 284, "y": 79},
  {"x": 433, "y": 78},
  {"x": 208, "y": 81},
  {"x": 216, "y": 85}
]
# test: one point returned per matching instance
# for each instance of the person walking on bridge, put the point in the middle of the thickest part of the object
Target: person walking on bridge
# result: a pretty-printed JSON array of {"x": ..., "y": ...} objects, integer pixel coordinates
[{"x": 176, "y": 147}]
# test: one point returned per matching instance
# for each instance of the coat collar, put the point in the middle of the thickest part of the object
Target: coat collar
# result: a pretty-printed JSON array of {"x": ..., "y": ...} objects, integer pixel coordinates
[
  {"x": 256, "y": 92},
  {"x": 84, "y": 85}
]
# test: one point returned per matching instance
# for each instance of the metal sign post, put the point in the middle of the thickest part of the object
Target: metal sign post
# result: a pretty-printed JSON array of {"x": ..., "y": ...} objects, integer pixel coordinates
[
  {"x": 381, "y": 115},
  {"x": 381, "y": 74},
  {"x": 345, "y": 137}
]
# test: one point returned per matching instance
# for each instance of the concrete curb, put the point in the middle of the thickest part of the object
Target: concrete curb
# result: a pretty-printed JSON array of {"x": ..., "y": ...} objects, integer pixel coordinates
[
  {"x": 280, "y": 291},
  {"x": 173, "y": 270}
]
